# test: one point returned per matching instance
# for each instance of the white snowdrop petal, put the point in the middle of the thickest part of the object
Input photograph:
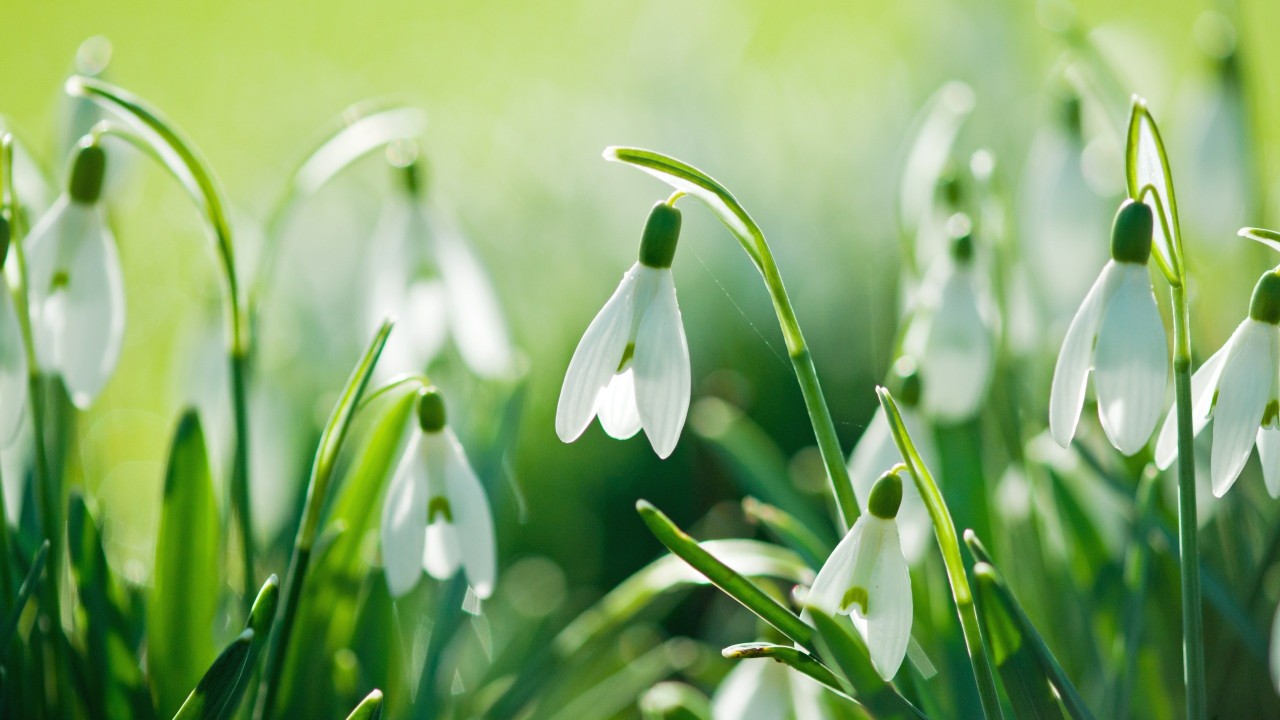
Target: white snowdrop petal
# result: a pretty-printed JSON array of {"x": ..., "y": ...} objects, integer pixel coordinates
[
  {"x": 13, "y": 369},
  {"x": 596, "y": 360},
  {"x": 47, "y": 247},
  {"x": 95, "y": 313},
  {"x": 442, "y": 549},
  {"x": 616, "y": 406},
  {"x": 662, "y": 375},
  {"x": 404, "y": 520},
  {"x": 421, "y": 324},
  {"x": 472, "y": 519},
  {"x": 1244, "y": 388},
  {"x": 475, "y": 315},
  {"x": 1203, "y": 384},
  {"x": 956, "y": 362},
  {"x": 1269, "y": 456},
  {"x": 1071, "y": 372},
  {"x": 752, "y": 689},
  {"x": 828, "y": 589},
  {"x": 1131, "y": 362},
  {"x": 889, "y": 604}
]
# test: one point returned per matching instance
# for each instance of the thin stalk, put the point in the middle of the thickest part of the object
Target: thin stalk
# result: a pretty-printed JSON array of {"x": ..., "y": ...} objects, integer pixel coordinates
[
  {"x": 949, "y": 543},
  {"x": 1188, "y": 539}
]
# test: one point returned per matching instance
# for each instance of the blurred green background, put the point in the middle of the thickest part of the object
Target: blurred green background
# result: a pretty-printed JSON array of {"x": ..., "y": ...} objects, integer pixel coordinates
[{"x": 802, "y": 108}]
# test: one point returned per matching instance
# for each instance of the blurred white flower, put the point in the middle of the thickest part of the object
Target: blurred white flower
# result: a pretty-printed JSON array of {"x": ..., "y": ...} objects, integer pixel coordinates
[
  {"x": 436, "y": 516},
  {"x": 429, "y": 277},
  {"x": 866, "y": 577},
  {"x": 1118, "y": 333},
  {"x": 76, "y": 285},
  {"x": 951, "y": 334},
  {"x": 13, "y": 356},
  {"x": 767, "y": 689},
  {"x": 1239, "y": 388},
  {"x": 876, "y": 453},
  {"x": 631, "y": 367}
]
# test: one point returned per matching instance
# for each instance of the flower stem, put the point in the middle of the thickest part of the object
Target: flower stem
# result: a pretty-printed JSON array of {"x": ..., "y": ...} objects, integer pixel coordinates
[
  {"x": 949, "y": 543},
  {"x": 1188, "y": 541}
]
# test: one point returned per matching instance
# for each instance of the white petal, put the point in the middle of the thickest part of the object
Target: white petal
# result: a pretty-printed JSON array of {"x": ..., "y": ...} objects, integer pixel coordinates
[
  {"x": 616, "y": 406},
  {"x": 888, "y": 622},
  {"x": 46, "y": 247},
  {"x": 662, "y": 367},
  {"x": 596, "y": 360},
  {"x": 1076, "y": 358},
  {"x": 752, "y": 689},
  {"x": 475, "y": 316},
  {"x": 420, "y": 321},
  {"x": 1269, "y": 455},
  {"x": 473, "y": 519},
  {"x": 829, "y": 587},
  {"x": 13, "y": 368},
  {"x": 956, "y": 361},
  {"x": 404, "y": 519},
  {"x": 1131, "y": 363},
  {"x": 1246, "y": 384},
  {"x": 442, "y": 549},
  {"x": 1204, "y": 383},
  {"x": 875, "y": 454}
]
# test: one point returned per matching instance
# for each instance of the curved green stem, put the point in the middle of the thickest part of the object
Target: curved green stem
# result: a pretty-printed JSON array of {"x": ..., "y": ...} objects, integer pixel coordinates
[
  {"x": 692, "y": 181},
  {"x": 949, "y": 544},
  {"x": 180, "y": 158},
  {"x": 1188, "y": 532}
]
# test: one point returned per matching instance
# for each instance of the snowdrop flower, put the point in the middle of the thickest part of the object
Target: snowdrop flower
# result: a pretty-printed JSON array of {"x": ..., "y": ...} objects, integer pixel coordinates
[
  {"x": 767, "y": 689},
  {"x": 1238, "y": 388},
  {"x": 436, "y": 516},
  {"x": 631, "y": 367},
  {"x": 444, "y": 295},
  {"x": 876, "y": 453},
  {"x": 950, "y": 334},
  {"x": 13, "y": 356},
  {"x": 76, "y": 286},
  {"x": 866, "y": 577},
  {"x": 1118, "y": 333}
]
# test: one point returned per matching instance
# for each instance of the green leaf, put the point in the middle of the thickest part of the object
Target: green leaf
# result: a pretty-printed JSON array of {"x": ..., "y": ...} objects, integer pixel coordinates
[
  {"x": 796, "y": 659},
  {"x": 212, "y": 699},
  {"x": 789, "y": 530},
  {"x": 261, "y": 616},
  {"x": 1027, "y": 686},
  {"x": 184, "y": 600},
  {"x": 724, "y": 577},
  {"x": 1147, "y": 166},
  {"x": 1071, "y": 699},
  {"x": 370, "y": 708},
  {"x": 843, "y": 648},
  {"x": 1270, "y": 238},
  {"x": 24, "y": 594}
]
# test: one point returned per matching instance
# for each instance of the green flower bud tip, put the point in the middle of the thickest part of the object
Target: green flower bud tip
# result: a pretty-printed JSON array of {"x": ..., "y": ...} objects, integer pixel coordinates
[
  {"x": 886, "y": 496},
  {"x": 431, "y": 415},
  {"x": 1131, "y": 233},
  {"x": 1265, "y": 305},
  {"x": 906, "y": 380},
  {"x": 661, "y": 232},
  {"x": 87, "y": 171}
]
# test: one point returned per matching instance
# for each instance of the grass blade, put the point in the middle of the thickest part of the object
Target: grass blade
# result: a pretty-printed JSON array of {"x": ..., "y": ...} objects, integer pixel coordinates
[
  {"x": 1025, "y": 682},
  {"x": 24, "y": 594},
  {"x": 796, "y": 659},
  {"x": 370, "y": 708},
  {"x": 212, "y": 698}
]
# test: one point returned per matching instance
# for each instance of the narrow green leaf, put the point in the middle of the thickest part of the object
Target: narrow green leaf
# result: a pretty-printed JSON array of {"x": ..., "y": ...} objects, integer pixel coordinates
[
  {"x": 1029, "y": 689},
  {"x": 796, "y": 659},
  {"x": 1071, "y": 699},
  {"x": 1270, "y": 238},
  {"x": 24, "y": 594},
  {"x": 789, "y": 530},
  {"x": 212, "y": 697},
  {"x": 184, "y": 598},
  {"x": 724, "y": 577},
  {"x": 261, "y": 616},
  {"x": 843, "y": 648},
  {"x": 370, "y": 708}
]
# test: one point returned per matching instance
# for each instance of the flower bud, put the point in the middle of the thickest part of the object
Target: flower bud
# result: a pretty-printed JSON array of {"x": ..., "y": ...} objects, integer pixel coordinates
[
  {"x": 886, "y": 496},
  {"x": 431, "y": 414},
  {"x": 661, "y": 232},
  {"x": 1265, "y": 305},
  {"x": 1131, "y": 233},
  {"x": 87, "y": 171}
]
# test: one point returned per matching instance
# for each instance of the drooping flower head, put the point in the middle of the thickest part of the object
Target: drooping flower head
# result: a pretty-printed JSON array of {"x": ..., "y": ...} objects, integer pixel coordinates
[
  {"x": 866, "y": 577},
  {"x": 76, "y": 285},
  {"x": 631, "y": 368},
  {"x": 13, "y": 356},
  {"x": 1119, "y": 335},
  {"x": 1239, "y": 388},
  {"x": 950, "y": 335},
  {"x": 436, "y": 516},
  {"x": 876, "y": 453}
]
